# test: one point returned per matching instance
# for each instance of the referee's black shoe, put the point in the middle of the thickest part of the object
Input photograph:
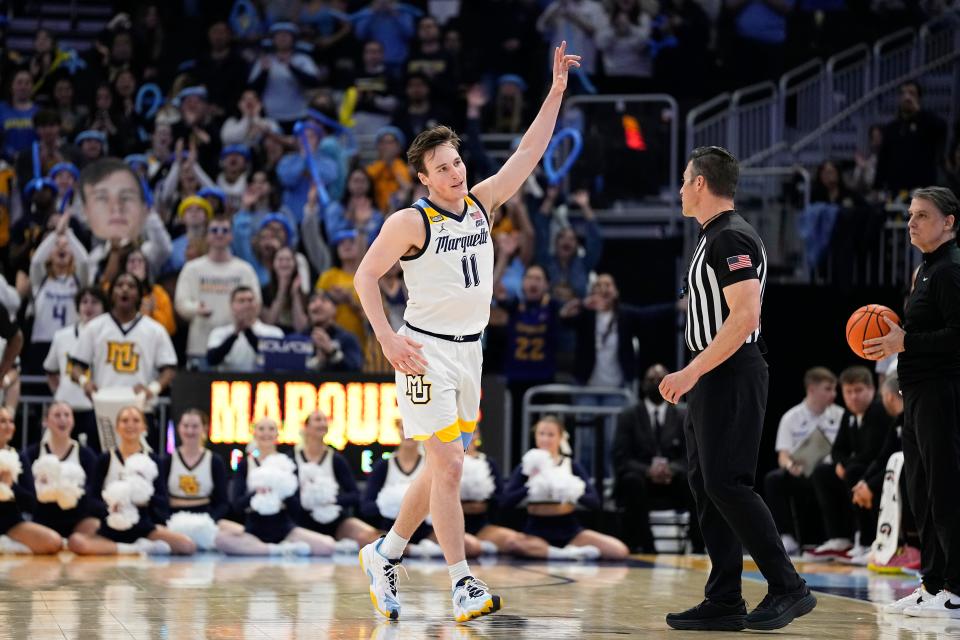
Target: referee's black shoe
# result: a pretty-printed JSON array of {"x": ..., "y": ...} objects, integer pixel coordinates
[
  {"x": 711, "y": 616},
  {"x": 779, "y": 610}
]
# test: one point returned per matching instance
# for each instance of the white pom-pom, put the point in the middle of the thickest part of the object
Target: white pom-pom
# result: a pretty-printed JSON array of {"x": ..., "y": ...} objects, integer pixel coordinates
[
  {"x": 539, "y": 488},
  {"x": 199, "y": 527},
  {"x": 140, "y": 471},
  {"x": 555, "y": 484},
  {"x": 281, "y": 462},
  {"x": 10, "y": 462},
  {"x": 142, "y": 465},
  {"x": 535, "y": 461},
  {"x": 568, "y": 488},
  {"x": 326, "y": 514},
  {"x": 122, "y": 514},
  {"x": 46, "y": 477},
  {"x": 273, "y": 483},
  {"x": 316, "y": 488},
  {"x": 70, "y": 488},
  {"x": 476, "y": 483},
  {"x": 389, "y": 500}
]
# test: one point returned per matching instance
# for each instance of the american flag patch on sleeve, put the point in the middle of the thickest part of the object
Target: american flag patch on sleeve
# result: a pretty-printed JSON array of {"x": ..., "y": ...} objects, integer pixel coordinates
[{"x": 739, "y": 262}]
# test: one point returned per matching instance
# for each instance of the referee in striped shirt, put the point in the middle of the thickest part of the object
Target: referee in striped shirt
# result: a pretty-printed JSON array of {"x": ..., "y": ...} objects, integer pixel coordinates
[{"x": 727, "y": 385}]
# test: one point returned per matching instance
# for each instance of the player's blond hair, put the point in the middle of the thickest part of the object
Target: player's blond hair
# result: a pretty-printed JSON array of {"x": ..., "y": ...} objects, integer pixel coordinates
[{"x": 427, "y": 141}]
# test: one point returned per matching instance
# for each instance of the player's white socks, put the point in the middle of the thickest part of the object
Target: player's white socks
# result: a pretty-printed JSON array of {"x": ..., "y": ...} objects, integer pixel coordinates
[
  {"x": 392, "y": 545},
  {"x": 458, "y": 572}
]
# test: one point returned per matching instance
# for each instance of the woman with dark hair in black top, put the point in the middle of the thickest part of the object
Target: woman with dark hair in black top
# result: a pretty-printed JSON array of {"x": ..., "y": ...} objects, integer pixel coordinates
[{"x": 929, "y": 371}]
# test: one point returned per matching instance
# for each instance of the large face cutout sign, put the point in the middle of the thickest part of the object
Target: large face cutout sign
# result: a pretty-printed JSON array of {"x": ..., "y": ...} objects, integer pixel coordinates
[{"x": 113, "y": 201}]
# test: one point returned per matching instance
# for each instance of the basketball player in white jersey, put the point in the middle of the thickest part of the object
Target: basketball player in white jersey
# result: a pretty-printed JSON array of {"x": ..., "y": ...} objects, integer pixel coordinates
[{"x": 444, "y": 246}]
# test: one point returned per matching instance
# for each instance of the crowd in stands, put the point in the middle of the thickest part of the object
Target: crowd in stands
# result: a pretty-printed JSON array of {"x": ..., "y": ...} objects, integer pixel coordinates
[{"x": 263, "y": 151}]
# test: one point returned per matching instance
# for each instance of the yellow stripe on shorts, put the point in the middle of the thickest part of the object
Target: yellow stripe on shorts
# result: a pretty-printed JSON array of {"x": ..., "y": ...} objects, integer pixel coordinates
[{"x": 448, "y": 434}]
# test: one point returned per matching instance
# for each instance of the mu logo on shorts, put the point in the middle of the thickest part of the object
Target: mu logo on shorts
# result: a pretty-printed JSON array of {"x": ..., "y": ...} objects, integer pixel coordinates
[
  {"x": 417, "y": 390},
  {"x": 189, "y": 485},
  {"x": 122, "y": 356}
]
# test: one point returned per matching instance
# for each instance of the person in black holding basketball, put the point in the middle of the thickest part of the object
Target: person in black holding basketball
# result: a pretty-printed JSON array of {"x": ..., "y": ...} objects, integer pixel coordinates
[
  {"x": 929, "y": 371},
  {"x": 727, "y": 385}
]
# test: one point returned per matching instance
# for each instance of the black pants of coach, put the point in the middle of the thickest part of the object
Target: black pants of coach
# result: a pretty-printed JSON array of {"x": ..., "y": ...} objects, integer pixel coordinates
[
  {"x": 723, "y": 428},
  {"x": 931, "y": 462}
]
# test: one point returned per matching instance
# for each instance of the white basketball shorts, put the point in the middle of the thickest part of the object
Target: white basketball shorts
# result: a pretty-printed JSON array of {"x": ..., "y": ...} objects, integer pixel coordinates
[{"x": 445, "y": 401}]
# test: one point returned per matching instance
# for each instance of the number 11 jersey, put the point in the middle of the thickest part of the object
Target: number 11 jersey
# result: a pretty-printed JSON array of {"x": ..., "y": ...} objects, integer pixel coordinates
[{"x": 450, "y": 280}]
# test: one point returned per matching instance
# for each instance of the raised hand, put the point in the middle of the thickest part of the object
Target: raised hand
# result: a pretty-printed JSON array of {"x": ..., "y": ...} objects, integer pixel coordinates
[{"x": 561, "y": 67}]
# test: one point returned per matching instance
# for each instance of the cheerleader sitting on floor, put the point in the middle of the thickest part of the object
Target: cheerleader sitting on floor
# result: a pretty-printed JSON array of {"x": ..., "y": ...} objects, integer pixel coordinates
[
  {"x": 196, "y": 480},
  {"x": 265, "y": 490},
  {"x": 327, "y": 489},
  {"x": 57, "y": 472},
  {"x": 386, "y": 486},
  {"x": 481, "y": 491},
  {"x": 552, "y": 485},
  {"x": 17, "y": 536},
  {"x": 130, "y": 497}
]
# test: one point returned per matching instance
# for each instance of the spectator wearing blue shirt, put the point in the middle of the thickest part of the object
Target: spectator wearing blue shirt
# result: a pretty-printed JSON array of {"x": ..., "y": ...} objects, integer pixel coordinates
[
  {"x": 260, "y": 201},
  {"x": 761, "y": 36},
  {"x": 567, "y": 267},
  {"x": 296, "y": 177},
  {"x": 356, "y": 209},
  {"x": 390, "y": 23},
  {"x": 16, "y": 116}
]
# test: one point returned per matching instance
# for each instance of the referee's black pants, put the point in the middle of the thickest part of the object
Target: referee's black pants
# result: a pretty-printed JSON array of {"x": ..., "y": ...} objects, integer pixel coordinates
[
  {"x": 931, "y": 462},
  {"x": 723, "y": 428}
]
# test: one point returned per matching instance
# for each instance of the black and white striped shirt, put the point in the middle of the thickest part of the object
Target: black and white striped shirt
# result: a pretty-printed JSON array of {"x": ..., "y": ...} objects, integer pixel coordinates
[{"x": 729, "y": 251}]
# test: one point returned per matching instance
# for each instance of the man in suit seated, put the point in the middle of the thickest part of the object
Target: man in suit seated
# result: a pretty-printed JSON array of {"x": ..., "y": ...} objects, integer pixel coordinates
[{"x": 650, "y": 463}]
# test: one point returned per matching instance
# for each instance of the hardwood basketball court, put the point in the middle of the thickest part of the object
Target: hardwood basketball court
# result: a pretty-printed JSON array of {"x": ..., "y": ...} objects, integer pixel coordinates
[{"x": 211, "y": 596}]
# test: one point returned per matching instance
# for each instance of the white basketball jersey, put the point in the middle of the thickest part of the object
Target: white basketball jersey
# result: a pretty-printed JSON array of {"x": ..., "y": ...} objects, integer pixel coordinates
[
  {"x": 191, "y": 483},
  {"x": 450, "y": 280},
  {"x": 123, "y": 356},
  {"x": 54, "y": 306},
  {"x": 397, "y": 476},
  {"x": 325, "y": 465}
]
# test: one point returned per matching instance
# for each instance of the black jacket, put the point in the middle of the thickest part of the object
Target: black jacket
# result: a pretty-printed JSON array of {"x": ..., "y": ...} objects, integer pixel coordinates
[
  {"x": 857, "y": 446},
  {"x": 635, "y": 444},
  {"x": 630, "y": 323},
  {"x": 932, "y": 320}
]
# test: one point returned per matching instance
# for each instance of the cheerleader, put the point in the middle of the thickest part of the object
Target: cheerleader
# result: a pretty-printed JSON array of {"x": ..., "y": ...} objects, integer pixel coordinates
[
  {"x": 23, "y": 536},
  {"x": 56, "y": 475},
  {"x": 196, "y": 480},
  {"x": 130, "y": 497},
  {"x": 264, "y": 491},
  {"x": 553, "y": 497},
  {"x": 386, "y": 487},
  {"x": 319, "y": 469}
]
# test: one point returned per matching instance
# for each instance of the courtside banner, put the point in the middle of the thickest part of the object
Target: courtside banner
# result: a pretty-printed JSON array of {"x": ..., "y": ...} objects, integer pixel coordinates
[{"x": 361, "y": 408}]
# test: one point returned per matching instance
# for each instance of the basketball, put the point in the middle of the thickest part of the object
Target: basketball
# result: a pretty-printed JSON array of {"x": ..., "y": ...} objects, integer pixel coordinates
[{"x": 866, "y": 323}]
